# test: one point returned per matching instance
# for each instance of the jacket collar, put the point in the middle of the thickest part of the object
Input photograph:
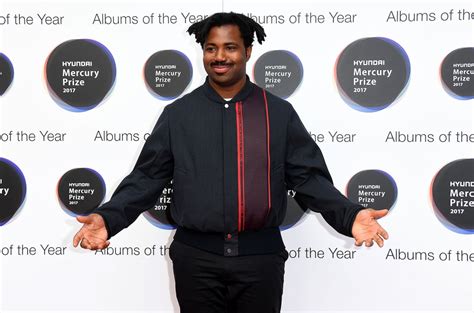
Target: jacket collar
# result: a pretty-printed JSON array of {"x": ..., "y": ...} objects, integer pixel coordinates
[{"x": 241, "y": 95}]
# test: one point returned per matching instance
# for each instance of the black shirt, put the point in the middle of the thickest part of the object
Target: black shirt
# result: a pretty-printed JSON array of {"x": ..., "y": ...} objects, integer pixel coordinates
[{"x": 231, "y": 163}]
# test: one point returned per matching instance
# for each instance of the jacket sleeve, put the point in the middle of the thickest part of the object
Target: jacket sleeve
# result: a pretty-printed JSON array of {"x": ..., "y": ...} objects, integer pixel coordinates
[
  {"x": 306, "y": 173},
  {"x": 140, "y": 190}
]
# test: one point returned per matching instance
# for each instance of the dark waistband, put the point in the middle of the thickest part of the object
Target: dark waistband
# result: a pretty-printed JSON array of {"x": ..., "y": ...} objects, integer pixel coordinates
[{"x": 264, "y": 241}]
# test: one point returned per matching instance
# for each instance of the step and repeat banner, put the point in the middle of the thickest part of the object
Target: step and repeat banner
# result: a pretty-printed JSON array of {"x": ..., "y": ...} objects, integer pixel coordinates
[{"x": 386, "y": 89}]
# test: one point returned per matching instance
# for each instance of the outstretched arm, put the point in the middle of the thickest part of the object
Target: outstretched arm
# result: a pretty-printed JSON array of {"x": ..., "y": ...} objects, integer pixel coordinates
[
  {"x": 307, "y": 174},
  {"x": 139, "y": 190}
]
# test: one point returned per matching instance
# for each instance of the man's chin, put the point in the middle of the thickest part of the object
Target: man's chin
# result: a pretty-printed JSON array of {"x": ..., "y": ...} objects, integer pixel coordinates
[{"x": 221, "y": 80}]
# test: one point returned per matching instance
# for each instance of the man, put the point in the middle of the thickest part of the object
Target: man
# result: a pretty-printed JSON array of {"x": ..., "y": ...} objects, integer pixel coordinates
[{"x": 232, "y": 150}]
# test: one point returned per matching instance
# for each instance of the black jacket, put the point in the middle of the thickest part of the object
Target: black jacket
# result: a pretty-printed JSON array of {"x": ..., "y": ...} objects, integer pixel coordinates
[{"x": 232, "y": 163}]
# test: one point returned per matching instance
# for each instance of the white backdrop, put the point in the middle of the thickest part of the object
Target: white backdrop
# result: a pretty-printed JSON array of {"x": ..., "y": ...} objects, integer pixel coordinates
[{"x": 82, "y": 281}]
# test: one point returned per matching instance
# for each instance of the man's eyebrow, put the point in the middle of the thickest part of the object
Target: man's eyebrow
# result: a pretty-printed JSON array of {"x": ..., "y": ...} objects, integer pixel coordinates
[{"x": 225, "y": 43}]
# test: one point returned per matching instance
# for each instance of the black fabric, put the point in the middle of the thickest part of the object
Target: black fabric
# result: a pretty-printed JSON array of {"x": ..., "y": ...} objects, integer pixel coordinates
[
  {"x": 210, "y": 283},
  {"x": 194, "y": 143},
  {"x": 267, "y": 240}
]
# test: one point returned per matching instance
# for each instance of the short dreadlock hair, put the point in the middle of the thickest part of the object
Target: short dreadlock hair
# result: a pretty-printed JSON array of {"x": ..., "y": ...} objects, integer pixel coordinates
[{"x": 247, "y": 27}]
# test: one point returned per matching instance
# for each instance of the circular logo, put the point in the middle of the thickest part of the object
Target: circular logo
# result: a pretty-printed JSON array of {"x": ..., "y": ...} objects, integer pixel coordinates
[
  {"x": 160, "y": 214},
  {"x": 81, "y": 190},
  {"x": 168, "y": 73},
  {"x": 80, "y": 73},
  {"x": 278, "y": 71},
  {"x": 371, "y": 73},
  {"x": 294, "y": 212},
  {"x": 12, "y": 190},
  {"x": 372, "y": 189},
  {"x": 453, "y": 195},
  {"x": 6, "y": 73},
  {"x": 457, "y": 73}
]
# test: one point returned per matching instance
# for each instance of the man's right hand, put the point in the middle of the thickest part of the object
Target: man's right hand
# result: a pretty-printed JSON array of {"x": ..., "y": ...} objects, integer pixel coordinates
[{"x": 93, "y": 234}]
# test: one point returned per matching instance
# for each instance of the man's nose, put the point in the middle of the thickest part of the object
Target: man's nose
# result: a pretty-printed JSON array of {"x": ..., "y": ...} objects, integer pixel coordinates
[{"x": 220, "y": 55}]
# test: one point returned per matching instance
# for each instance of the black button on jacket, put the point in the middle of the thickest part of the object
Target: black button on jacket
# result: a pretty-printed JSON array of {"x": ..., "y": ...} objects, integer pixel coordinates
[{"x": 231, "y": 163}]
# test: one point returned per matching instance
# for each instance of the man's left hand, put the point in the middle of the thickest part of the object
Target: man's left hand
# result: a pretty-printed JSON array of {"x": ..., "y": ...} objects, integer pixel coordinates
[{"x": 366, "y": 229}]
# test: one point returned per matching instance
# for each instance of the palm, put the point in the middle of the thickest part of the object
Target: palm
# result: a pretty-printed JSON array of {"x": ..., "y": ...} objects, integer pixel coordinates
[
  {"x": 93, "y": 234},
  {"x": 366, "y": 229},
  {"x": 95, "y": 231}
]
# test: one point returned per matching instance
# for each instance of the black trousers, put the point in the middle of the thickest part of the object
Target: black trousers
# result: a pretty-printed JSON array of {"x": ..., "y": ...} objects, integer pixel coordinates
[{"x": 210, "y": 283}]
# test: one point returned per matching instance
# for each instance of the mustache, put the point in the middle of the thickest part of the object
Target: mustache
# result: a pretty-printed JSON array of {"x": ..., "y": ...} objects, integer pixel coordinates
[{"x": 220, "y": 63}]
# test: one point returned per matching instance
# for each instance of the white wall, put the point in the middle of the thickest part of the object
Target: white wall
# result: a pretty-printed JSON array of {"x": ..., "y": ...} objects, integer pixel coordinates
[{"x": 82, "y": 281}]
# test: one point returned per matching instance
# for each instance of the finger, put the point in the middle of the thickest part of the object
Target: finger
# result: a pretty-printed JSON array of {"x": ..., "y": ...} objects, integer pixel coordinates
[
  {"x": 382, "y": 232},
  {"x": 97, "y": 243},
  {"x": 369, "y": 243},
  {"x": 379, "y": 213},
  {"x": 77, "y": 238},
  {"x": 378, "y": 240},
  {"x": 86, "y": 244},
  {"x": 358, "y": 241},
  {"x": 83, "y": 219},
  {"x": 103, "y": 245}
]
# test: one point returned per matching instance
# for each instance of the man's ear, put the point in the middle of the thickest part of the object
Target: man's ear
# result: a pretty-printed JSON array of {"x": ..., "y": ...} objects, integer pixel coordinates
[{"x": 248, "y": 52}]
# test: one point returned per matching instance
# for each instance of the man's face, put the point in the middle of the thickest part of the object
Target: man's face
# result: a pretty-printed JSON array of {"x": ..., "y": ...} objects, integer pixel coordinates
[{"x": 225, "y": 55}]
